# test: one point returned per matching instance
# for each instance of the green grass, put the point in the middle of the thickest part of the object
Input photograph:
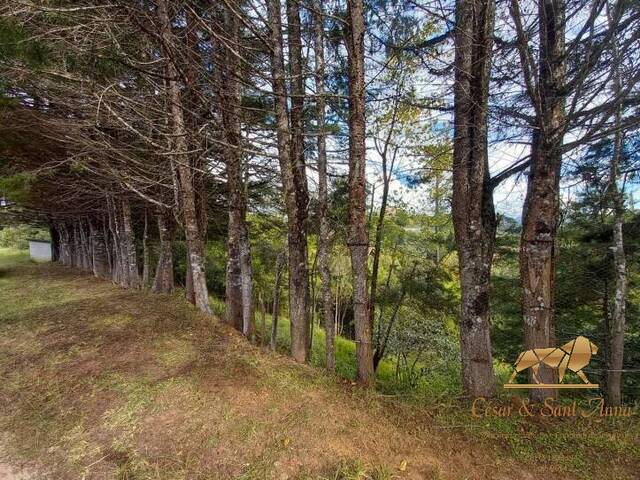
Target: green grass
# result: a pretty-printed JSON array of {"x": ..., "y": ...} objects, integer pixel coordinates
[
  {"x": 10, "y": 257},
  {"x": 345, "y": 348},
  {"x": 568, "y": 444},
  {"x": 443, "y": 379},
  {"x": 114, "y": 383}
]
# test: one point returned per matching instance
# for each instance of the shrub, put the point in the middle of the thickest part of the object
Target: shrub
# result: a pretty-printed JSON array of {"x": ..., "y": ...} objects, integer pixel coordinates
[{"x": 18, "y": 236}]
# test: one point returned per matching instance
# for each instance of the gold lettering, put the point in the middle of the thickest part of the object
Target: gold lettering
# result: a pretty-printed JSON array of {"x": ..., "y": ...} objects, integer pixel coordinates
[
  {"x": 548, "y": 404},
  {"x": 595, "y": 405},
  {"x": 473, "y": 406}
]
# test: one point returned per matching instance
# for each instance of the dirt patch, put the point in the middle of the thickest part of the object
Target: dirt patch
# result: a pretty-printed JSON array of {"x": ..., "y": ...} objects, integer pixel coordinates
[{"x": 9, "y": 471}]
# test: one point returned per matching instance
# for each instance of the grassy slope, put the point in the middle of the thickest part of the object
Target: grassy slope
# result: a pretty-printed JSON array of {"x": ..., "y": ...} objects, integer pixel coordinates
[
  {"x": 101, "y": 382},
  {"x": 345, "y": 349}
]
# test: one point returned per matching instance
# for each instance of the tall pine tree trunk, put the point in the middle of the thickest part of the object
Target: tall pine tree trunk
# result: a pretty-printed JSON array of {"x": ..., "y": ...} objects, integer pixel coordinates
[
  {"x": 100, "y": 264},
  {"x": 275, "y": 312},
  {"x": 324, "y": 238},
  {"x": 239, "y": 281},
  {"x": 358, "y": 237},
  {"x": 145, "y": 252},
  {"x": 473, "y": 211},
  {"x": 55, "y": 243},
  {"x": 164, "y": 281},
  {"x": 129, "y": 247},
  {"x": 541, "y": 207},
  {"x": 296, "y": 197},
  {"x": 194, "y": 236},
  {"x": 618, "y": 317},
  {"x": 298, "y": 257}
]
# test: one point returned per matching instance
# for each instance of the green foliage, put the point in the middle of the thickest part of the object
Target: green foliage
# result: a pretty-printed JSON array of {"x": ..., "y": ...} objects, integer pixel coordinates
[
  {"x": 16, "y": 44},
  {"x": 17, "y": 187},
  {"x": 268, "y": 240},
  {"x": 17, "y": 236}
]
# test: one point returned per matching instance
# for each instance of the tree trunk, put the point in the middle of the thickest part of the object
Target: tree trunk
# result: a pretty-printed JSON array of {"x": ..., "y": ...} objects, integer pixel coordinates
[
  {"x": 246, "y": 272},
  {"x": 233, "y": 285},
  {"x": 123, "y": 266},
  {"x": 163, "y": 281},
  {"x": 55, "y": 243},
  {"x": 358, "y": 235},
  {"x": 324, "y": 238},
  {"x": 473, "y": 211},
  {"x": 84, "y": 247},
  {"x": 100, "y": 263},
  {"x": 189, "y": 292},
  {"x": 294, "y": 183},
  {"x": 541, "y": 207},
  {"x": 129, "y": 243},
  {"x": 618, "y": 317},
  {"x": 117, "y": 270},
  {"x": 298, "y": 258},
  {"x": 239, "y": 281},
  {"x": 65, "y": 245},
  {"x": 276, "y": 301},
  {"x": 195, "y": 246},
  {"x": 83, "y": 243},
  {"x": 145, "y": 252},
  {"x": 107, "y": 243},
  {"x": 263, "y": 321},
  {"x": 387, "y": 171}
]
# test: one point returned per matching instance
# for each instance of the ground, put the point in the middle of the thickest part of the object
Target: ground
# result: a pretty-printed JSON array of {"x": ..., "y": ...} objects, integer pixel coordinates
[{"x": 98, "y": 382}]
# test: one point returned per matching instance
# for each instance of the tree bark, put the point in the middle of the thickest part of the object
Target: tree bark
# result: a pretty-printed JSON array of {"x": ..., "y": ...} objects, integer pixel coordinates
[
  {"x": 233, "y": 285},
  {"x": 246, "y": 272},
  {"x": 145, "y": 252},
  {"x": 618, "y": 317},
  {"x": 193, "y": 234},
  {"x": 239, "y": 281},
  {"x": 55, "y": 243},
  {"x": 164, "y": 281},
  {"x": 324, "y": 238},
  {"x": 113, "y": 245},
  {"x": 107, "y": 243},
  {"x": 358, "y": 235},
  {"x": 275, "y": 313},
  {"x": 541, "y": 207},
  {"x": 298, "y": 257},
  {"x": 129, "y": 247},
  {"x": 65, "y": 245},
  {"x": 263, "y": 321},
  {"x": 100, "y": 262},
  {"x": 189, "y": 292},
  {"x": 84, "y": 246},
  {"x": 473, "y": 211},
  {"x": 294, "y": 184}
]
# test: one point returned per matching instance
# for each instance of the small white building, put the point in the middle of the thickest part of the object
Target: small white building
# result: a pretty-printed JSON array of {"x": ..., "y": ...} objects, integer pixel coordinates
[{"x": 40, "y": 250}]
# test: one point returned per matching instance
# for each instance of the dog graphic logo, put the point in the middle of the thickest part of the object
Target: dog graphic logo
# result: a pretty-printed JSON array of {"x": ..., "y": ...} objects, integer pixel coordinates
[{"x": 573, "y": 356}]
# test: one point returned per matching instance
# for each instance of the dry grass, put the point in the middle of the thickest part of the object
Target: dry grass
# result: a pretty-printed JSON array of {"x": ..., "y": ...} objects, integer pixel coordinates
[{"x": 101, "y": 383}]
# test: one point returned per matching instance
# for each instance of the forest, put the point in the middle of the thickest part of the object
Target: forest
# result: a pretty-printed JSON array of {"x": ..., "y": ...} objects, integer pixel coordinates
[{"x": 405, "y": 194}]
